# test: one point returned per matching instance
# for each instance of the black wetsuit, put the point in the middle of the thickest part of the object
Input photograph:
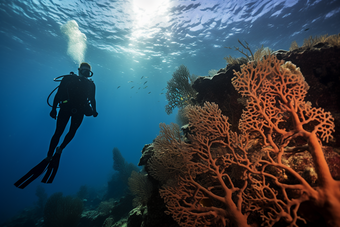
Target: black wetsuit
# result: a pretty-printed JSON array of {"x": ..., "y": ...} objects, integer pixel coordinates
[{"x": 74, "y": 96}]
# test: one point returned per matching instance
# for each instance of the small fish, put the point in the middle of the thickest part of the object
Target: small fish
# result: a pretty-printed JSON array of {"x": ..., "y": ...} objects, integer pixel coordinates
[
  {"x": 145, "y": 87},
  {"x": 145, "y": 82},
  {"x": 138, "y": 88},
  {"x": 132, "y": 87},
  {"x": 162, "y": 93},
  {"x": 163, "y": 89},
  {"x": 118, "y": 87},
  {"x": 130, "y": 81},
  {"x": 306, "y": 29},
  {"x": 149, "y": 92},
  {"x": 142, "y": 77}
]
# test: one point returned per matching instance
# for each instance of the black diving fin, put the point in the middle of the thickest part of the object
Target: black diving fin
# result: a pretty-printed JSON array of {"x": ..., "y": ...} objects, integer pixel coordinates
[
  {"x": 52, "y": 168},
  {"x": 50, "y": 164},
  {"x": 33, "y": 174}
]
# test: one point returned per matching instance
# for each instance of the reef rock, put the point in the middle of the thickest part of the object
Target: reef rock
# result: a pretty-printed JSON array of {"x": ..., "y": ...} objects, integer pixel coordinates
[{"x": 219, "y": 89}]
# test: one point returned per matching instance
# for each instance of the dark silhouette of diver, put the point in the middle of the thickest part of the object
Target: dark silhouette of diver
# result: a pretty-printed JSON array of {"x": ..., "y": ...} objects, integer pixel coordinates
[{"x": 76, "y": 98}]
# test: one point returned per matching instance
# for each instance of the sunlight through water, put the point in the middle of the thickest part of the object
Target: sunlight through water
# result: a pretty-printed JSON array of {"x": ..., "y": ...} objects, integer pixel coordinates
[{"x": 148, "y": 15}]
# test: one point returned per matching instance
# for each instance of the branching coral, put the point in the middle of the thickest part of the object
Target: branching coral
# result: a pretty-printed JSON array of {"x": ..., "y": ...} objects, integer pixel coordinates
[
  {"x": 179, "y": 89},
  {"x": 204, "y": 194},
  {"x": 257, "y": 56},
  {"x": 277, "y": 113},
  {"x": 141, "y": 187},
  {"x": 333, "y": 40},
  {"x": 169, "y": 159},
  {"x": 231, "y": 179}
]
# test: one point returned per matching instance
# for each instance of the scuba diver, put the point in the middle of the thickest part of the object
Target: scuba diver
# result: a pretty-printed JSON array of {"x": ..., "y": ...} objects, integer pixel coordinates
[{"x": 76, "y": 98}]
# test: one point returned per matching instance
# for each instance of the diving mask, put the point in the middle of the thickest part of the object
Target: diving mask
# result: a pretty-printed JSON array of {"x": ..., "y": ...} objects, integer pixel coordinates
[{"x": 86, "y": 72}]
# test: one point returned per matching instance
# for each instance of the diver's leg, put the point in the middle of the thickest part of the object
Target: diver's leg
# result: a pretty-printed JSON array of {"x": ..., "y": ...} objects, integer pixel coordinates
[
  {"x": 62, "y": 119},
  {"x": 76, "y": 121}
]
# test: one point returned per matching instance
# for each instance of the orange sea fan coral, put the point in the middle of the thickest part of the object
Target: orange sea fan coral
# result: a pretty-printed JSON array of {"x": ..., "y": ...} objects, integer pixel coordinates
[
  {"x": 276, "y": 111},
  {"x": 229, "y": 179}
]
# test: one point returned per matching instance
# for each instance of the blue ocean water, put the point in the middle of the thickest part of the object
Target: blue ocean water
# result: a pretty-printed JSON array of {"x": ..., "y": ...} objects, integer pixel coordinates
[{"x": 134, "y": 46}]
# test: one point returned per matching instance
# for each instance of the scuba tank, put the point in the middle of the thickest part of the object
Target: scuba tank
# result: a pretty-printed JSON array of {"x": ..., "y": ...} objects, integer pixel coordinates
[
  {"x": 88, "y": 111},
  {"x": 57, "y": 79}
]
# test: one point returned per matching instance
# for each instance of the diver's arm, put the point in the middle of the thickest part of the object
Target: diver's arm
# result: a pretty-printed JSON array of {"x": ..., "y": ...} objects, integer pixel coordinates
[
  {"x": 53, "y": 112},
  {"x": 55, "y": 101},
  {"x": 92, "y": 99},
  {"x": 93, "y": 103}
]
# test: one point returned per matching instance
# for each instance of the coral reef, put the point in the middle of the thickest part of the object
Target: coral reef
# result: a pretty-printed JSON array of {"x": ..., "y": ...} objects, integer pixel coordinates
[
  {"x": 319, "y": 65},
  {"x": 179, "y": 89},
  {"x": 240, "y": 179}
]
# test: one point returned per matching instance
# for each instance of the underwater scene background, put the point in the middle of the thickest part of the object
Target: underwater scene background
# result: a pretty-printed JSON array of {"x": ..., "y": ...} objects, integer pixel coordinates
[{"x": 134, "y": 47}]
